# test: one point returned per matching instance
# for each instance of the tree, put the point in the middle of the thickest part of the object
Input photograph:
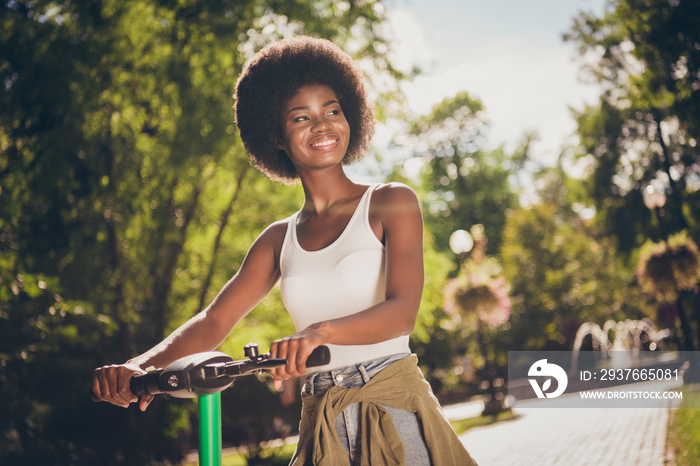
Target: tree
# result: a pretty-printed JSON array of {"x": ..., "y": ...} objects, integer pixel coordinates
[
  {"x": 463, "y": 184},
  {"x": 646, "y": 126},
  {"x": 126, "y": 198},
  {"x": 561, "y": 275},
  {"x": 669, "y": 271}
]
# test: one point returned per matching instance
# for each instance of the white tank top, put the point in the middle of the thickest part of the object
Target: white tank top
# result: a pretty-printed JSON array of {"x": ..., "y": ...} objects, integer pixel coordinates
[{"x": 341, "y": 279}]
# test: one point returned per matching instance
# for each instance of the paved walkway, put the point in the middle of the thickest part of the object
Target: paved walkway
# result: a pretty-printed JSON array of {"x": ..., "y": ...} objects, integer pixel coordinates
[
  {"x": 571, "y": 436},
  {"x": 562, "y": 436}
]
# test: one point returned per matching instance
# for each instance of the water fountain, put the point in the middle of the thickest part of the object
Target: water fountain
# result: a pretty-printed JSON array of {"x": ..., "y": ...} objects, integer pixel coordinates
[{"x": 624, "y": 346}]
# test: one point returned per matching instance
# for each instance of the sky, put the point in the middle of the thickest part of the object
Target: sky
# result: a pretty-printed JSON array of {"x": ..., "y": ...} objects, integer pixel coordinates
[{"x": 508, "y": 53}]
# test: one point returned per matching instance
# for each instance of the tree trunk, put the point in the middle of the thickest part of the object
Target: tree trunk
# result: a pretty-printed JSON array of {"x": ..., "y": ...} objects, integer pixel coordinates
[
  {"x": 217, "y": 241},
  {"x": 688, "y": 338},
  {"x": 106, "y": 152},
  {"x": 675, "y": 204},
  {"x": 163, "y": 285}
]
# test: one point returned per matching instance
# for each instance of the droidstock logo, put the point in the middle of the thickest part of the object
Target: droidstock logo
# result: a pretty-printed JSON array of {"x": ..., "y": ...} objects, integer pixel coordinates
[{"x": 542, "y": 369}]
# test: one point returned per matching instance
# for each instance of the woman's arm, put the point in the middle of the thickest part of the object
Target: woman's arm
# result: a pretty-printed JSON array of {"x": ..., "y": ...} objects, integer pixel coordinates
[
  {"x": 395, "y": 216},
  {"x": 206, "y": 330}
]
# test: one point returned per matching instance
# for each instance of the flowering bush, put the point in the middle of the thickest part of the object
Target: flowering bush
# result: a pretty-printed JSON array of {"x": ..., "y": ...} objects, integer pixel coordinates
[
  {"x": 480, "y": 295},
  {"x": 669, "y": 267}
]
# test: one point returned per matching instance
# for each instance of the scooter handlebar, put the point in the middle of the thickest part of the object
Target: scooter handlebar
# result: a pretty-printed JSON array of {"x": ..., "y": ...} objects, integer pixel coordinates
[
  {"x": 208, "y": 372},
  {"x": 320, "y": 356}
]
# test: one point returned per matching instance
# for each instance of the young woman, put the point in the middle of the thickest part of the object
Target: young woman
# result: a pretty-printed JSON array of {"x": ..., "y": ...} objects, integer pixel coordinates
[{"x": 349, "y": 263}]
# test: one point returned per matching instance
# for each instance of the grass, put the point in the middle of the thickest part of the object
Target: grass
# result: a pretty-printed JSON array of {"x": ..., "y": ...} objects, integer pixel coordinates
[
  {"x": 683, "y": 437},
  {"x": 271, "y": 456},
  {"x": 463, "y": 425}
]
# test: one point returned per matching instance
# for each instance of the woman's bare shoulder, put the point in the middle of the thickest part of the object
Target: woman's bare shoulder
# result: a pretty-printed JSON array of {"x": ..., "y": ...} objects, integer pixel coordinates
[
  {"x": 394, "y": 197},
  {"x": 278, "y": 228},
  {"x": 274, "y": 234},
  {"x": 267, "y": 247}
]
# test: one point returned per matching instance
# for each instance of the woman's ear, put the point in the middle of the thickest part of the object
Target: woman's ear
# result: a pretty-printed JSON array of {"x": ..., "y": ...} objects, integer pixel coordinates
[{"x": 279, "y": 143}]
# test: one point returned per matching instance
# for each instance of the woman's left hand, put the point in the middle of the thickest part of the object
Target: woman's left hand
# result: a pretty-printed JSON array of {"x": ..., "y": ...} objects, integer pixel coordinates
[{"x": 296, "y": 349}]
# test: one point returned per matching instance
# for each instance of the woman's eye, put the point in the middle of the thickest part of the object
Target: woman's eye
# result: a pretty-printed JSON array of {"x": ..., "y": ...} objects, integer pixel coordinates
[{"x": 301, "y": 118}]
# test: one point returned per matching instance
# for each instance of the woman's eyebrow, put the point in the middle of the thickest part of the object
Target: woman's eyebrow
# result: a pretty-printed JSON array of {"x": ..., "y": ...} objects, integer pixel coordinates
[
  {"x": 297, "y": 108},
  {"x": 306, "y": 107}
]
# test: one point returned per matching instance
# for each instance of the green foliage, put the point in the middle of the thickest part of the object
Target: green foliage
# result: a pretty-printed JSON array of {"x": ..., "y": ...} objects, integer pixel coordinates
[
  {"x": 684, "y": 428},
  {"x": 463, "y": 425},
  {"x": 644, "y": 132},
  {"x": 432, "y": 338},
  {"x": 126, "y": 199},
  {"x": 561, "y": 275},
  {"x": 249, "y": 424},
  {"x": 37, "y": 325},
  {"x": 646, "y": 125},
  {"x": 437, "y": 267},
  {"x": 462, "y": 184}
]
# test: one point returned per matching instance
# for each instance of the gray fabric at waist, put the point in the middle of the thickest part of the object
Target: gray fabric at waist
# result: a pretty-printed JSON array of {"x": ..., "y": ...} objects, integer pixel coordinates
[{"x": 349, "y": 376}]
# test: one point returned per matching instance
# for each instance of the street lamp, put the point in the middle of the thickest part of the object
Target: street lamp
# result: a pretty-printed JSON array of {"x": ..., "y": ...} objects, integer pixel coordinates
[
  {"x": 461, "y": 242},
  {"x": 480, "y": 298},
  {"x": 654, "y": 197}
]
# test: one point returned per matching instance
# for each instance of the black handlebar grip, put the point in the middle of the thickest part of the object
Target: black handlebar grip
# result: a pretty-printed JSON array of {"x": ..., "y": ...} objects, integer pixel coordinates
[
  {"x": 319, "y": 357},
  {"x": 139, "y": 384},
  {"x": 146, "y": 383}
]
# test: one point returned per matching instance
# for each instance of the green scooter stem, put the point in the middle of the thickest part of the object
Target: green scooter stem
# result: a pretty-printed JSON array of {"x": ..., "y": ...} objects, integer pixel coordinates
[
  {"x": 200, "y": 374},
  {"x": 210, "y": 430}
]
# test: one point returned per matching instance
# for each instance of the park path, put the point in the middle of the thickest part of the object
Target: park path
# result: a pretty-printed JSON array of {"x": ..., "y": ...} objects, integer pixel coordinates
[
  {"x": 561, "y": 436},
  {"x": 571, "y": 436}
]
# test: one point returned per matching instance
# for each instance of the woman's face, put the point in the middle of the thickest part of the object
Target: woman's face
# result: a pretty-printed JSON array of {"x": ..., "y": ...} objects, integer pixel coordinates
[{"x": 315, "y": 133}]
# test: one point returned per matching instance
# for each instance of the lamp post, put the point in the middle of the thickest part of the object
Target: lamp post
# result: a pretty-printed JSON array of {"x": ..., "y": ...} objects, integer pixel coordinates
[
  {"x": 462, "y": 244},
  {"x": 654, "y": 197}
]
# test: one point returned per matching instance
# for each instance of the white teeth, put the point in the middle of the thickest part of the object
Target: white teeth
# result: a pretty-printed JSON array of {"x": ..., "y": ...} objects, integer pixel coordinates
[{"x": 324, "y": 143}]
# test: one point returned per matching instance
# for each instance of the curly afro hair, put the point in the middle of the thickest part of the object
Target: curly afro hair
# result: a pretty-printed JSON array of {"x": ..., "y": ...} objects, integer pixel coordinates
[{"x": 274, "y": 75}]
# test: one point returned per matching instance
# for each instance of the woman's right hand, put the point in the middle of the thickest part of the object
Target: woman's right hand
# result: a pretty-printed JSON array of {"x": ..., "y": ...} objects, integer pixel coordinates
[{"x": 111, "y": 384}]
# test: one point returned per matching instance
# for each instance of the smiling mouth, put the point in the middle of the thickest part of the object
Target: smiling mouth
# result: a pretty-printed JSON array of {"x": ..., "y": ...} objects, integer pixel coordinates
[{"x": 324, "y": 143}]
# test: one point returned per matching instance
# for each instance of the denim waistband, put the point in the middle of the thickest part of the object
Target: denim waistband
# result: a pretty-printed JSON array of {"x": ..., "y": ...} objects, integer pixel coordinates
[{"x": 349, "y": 376}]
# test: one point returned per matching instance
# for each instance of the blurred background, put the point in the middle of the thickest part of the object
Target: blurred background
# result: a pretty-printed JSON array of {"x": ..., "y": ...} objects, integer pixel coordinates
[{"x": 553, "y": 145}]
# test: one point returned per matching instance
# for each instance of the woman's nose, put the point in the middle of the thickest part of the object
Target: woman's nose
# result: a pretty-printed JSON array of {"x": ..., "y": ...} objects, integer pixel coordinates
[{"x": 320, "y": 125}]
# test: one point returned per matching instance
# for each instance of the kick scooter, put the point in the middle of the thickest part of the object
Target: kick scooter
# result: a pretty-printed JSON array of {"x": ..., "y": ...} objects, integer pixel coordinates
[{"x": 206, "y": 375}]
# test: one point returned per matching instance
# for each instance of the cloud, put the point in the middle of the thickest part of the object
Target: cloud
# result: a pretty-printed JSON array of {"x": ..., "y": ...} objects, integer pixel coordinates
[
  {"x": 525, "y": 84},
  {"x": 410, "y": 44}
]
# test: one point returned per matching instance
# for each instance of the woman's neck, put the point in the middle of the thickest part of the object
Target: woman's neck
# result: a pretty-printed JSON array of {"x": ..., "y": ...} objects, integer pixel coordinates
[{"x": 324, "y": 190}]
